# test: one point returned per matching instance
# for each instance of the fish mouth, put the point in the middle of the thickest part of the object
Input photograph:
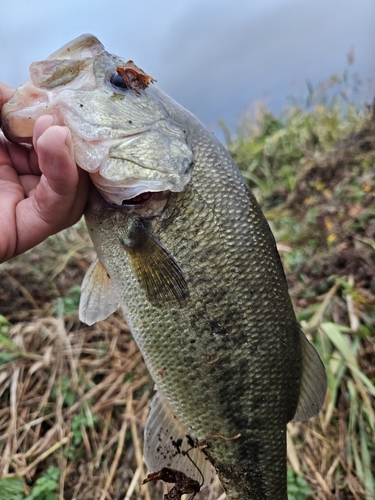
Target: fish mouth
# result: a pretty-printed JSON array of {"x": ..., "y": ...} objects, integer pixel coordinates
[
  {"x": 141, "y": 198},
  {"x": 146, "y": 198}
]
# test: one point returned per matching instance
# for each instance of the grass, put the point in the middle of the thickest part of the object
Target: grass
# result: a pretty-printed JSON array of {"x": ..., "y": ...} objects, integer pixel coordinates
[
  {"x": 74, "y": 399},
  {"x": 312, "y": 169}
]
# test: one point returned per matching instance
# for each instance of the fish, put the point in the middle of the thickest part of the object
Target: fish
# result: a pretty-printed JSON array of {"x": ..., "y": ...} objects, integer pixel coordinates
[{"x": 186, "y": 252}]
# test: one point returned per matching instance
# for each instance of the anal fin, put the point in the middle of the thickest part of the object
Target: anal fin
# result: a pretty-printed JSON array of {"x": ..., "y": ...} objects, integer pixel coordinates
[
  {"x": 167, "y": 444},
  {"x": 313, "y": 382}
]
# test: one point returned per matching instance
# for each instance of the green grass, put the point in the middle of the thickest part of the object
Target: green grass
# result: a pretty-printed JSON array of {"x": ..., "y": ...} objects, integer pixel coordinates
[{"x": 313, "y": 171}]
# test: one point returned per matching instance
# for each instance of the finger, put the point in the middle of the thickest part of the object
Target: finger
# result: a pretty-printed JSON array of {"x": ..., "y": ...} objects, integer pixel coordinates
[
  {"x": 61, "y": 195},
  {"x": 29, "y": 183},
  {"x": 56, "y": 159},
  {"x": 22, "y": 156},
  {"x": 16, "y": 155},
  {"x": 11, "y": 193},
  {"x": 41, "y": 125}
]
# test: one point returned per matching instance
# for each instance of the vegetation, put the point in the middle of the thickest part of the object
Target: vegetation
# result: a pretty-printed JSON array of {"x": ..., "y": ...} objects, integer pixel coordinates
[
  {"x": 74, "y": 399},
  {"x": 313, "y": 171}
]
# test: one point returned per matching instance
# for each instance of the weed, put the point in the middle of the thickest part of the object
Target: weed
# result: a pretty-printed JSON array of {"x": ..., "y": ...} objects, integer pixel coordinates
[
  {"x": 46, "y": 486},
  {"x": 65, "y": 388},
  {"x": 80, "y": 422},
  {"x": 8, "y": 351},
  {"x": 68, "y": 304},
  {"x": 12, "y": 488},
  {"x": 4, "y": 326},
  {"x": 298, "y": 489}
]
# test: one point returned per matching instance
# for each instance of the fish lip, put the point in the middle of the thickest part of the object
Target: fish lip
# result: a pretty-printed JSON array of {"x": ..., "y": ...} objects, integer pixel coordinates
[
  {"x": 9, "y": 133},
  {"x": 137, "y": 201},
  {"x": 141, "y": 199}
]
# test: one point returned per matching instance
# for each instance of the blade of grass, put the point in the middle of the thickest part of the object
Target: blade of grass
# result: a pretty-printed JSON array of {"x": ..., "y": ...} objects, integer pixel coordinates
[{"x": 336, "y": 335}]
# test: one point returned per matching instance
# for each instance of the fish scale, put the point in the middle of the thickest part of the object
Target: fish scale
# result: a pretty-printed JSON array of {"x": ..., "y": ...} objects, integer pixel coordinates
[{"x": 184, "y": 249}]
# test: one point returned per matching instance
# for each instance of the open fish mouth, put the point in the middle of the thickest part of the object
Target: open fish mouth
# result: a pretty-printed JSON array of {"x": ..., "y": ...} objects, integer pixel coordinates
[
  {"x": 155, "y": 198},
  {"x": 147, "y": 196},
  {"x": 141, "y": 198}
]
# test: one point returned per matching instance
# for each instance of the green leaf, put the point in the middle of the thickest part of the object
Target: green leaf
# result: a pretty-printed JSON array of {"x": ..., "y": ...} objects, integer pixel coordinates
[
  {"x": 11, "y": 488},
  {"x": 298, "y": 489},
  {"x": 368, "y": 477},
  {"x": 4, "y": 341},
  {"x": 45, "y": 487},
  {"x": 336, "y": 335},
  {"x": 7, "y": 357}
]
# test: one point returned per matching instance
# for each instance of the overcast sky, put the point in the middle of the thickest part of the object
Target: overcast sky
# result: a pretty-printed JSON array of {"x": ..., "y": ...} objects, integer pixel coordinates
[{"x": 215, "y": 57}]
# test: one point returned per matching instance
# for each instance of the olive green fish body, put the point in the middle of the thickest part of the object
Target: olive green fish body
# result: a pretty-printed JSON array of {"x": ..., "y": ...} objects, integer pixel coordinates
[{"x": 228, "y": 360}]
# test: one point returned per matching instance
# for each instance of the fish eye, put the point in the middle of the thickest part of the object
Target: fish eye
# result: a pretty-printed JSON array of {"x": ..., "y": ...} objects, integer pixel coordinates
[{"x": 118, "y": 81}]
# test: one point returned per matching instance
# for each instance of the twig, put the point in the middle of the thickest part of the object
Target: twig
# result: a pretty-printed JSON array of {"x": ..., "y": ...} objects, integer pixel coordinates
[
  {"x": 133, "y": 483},
  {"x": 317, "y": 316},
  {"x": 353, "y": 318},
  {"x": 138, "y": 455},
  {"x": 22, "y": 289},
  {"x": 292, "y": 454},
  {"x": 318, "y": 476},
  {"x": 44, "y": 455},
  {"x": 120, "y": 447}
]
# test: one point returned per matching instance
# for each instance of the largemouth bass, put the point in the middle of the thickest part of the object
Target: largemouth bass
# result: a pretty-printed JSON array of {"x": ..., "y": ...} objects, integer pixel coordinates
[{"x": 184, "y": 249}]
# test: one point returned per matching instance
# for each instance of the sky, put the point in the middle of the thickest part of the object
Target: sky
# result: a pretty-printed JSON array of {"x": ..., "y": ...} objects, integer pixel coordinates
[{"x": 215, "y": 57}]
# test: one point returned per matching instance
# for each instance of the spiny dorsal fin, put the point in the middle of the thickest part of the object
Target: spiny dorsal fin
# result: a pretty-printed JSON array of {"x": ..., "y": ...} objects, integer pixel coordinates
[
  {"x": 166, "y": 443},
  {"x": 313, "y": 382},
  {"x": 98, "y": 296},
  {"x": 155, "y": 267}
]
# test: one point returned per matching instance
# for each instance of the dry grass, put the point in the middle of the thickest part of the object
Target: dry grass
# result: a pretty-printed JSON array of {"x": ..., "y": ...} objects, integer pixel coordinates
[
  {"x": 78, "y": 399},
  {"x": 71, "y": 396}
]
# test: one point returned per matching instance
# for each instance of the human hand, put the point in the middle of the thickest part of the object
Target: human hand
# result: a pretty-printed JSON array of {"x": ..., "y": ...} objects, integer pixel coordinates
[{"x": 42, "y": 191}]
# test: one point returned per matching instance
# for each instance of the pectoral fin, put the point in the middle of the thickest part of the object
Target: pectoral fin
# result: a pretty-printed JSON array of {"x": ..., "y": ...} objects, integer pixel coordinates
[
  {"x": 313, "y": 382},
  {"x": 155, "y": 267},
  {"x": 166, "y": 444},
  {"x": 98, "y": 296}
]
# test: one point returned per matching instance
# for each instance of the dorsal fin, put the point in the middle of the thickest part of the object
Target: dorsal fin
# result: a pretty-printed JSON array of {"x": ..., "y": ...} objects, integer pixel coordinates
[
  {"x": 166, "y": 444},
  {"x": 98, "y": 296},
  {"x": 313, "y": 382}
]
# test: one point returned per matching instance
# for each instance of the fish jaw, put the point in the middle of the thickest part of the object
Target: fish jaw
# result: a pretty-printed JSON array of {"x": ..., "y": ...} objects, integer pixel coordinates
[
  {"x": 34, "y": 98},
  {"x": 19, "y": 114}
]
